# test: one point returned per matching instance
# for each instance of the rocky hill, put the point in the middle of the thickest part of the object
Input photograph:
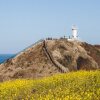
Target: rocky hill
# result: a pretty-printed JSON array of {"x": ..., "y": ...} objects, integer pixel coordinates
[{"x": 48, "y": 57}]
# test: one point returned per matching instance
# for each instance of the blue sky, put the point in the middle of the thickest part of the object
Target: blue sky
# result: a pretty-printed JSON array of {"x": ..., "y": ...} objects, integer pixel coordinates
[{"x": 22, "y": 22}]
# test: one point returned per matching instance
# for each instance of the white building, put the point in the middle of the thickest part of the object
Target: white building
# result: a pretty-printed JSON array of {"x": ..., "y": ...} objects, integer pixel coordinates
[{"x": 74, "y": 32}]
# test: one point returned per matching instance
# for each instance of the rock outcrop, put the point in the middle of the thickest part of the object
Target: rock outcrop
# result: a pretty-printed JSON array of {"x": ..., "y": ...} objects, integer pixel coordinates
[{"x": 49, "y": 57}]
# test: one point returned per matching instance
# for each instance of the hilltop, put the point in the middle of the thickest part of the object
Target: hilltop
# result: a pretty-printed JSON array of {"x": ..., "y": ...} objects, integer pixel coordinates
[{"x": 49, "y": 57}]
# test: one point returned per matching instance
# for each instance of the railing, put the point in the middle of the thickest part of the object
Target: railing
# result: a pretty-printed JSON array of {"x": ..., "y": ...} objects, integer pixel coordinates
[
  {"x": 55, "y": 62},
  {"x": 39, "y": 41}
]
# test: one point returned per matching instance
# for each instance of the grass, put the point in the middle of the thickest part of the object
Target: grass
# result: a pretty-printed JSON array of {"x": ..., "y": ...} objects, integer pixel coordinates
[{"x": 81, "y": 85}]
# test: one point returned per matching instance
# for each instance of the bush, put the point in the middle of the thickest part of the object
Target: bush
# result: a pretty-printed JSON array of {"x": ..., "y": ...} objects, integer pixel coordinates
[{"x": 81, "y": 85}]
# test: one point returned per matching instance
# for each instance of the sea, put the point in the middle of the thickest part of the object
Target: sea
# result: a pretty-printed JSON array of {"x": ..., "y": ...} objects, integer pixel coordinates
[{"x": 4, "y": 57}]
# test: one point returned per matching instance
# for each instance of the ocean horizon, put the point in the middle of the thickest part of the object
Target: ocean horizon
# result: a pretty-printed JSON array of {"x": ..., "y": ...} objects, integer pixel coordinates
[{"x": 4, "y": 57}]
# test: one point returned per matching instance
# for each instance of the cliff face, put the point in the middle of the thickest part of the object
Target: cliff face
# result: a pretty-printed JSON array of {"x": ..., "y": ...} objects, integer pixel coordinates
[{"x": 49, "y": 57}]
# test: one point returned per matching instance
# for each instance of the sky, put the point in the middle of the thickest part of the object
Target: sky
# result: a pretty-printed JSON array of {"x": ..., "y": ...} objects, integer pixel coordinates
[{"x": 23, "y": 22}]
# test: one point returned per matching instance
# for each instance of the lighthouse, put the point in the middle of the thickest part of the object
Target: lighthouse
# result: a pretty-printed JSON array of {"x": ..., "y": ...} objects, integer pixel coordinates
[{"x": 74, "y": 32}]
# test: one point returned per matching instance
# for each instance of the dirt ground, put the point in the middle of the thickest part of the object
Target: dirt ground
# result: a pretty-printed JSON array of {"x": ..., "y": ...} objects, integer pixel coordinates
[{"x": 34, "y": 63}]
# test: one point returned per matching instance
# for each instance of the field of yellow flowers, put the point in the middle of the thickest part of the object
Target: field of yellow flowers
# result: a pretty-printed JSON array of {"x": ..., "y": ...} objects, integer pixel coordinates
[{"x": 81, "y": 85}]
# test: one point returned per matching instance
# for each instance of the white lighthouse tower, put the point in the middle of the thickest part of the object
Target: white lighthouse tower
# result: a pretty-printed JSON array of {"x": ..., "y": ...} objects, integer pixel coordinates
[{"x": 74, "y": 32}]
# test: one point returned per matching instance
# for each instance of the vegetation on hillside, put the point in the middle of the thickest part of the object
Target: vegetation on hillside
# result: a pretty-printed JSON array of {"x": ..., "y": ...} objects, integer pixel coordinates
[
  {"x": 49, "y": 57},
  {"x": 82, "y": 85}
]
